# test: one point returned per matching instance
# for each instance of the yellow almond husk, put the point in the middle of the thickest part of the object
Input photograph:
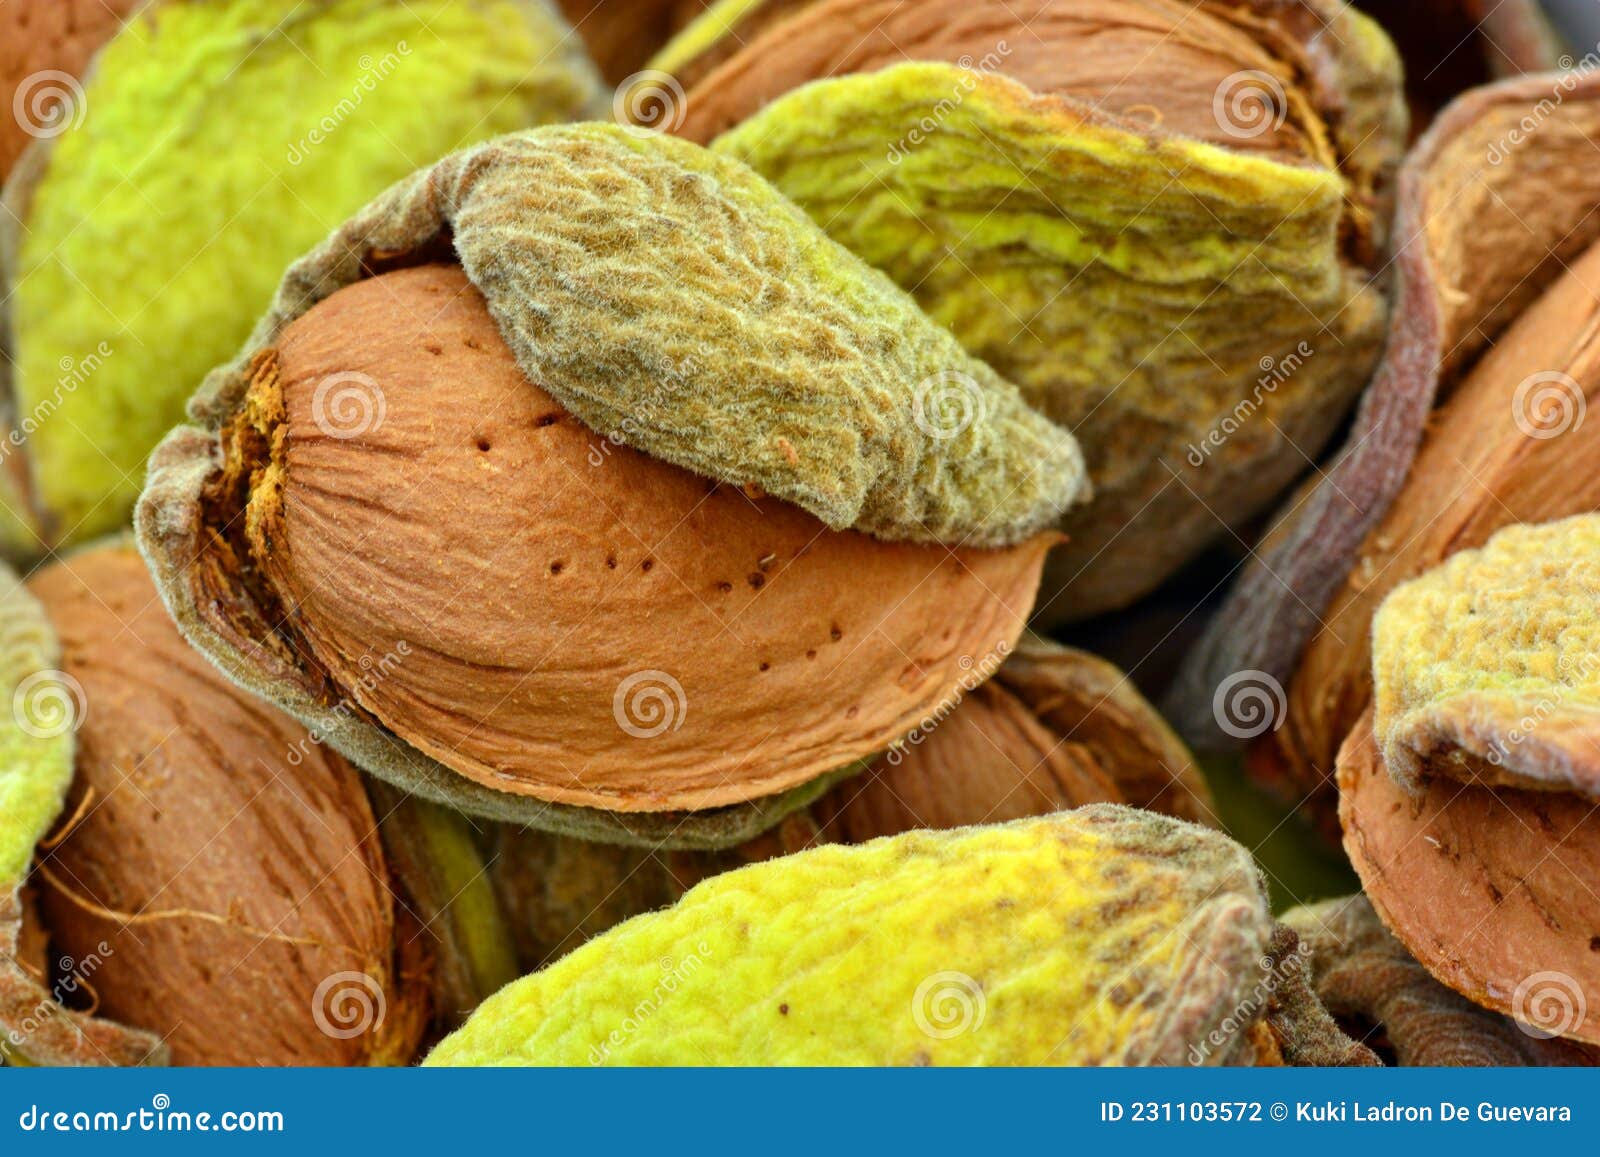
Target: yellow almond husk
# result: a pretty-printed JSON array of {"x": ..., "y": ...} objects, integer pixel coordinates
[
  {"x": 1486, "y": 669},
  {"x": 1161, "y": 219}
]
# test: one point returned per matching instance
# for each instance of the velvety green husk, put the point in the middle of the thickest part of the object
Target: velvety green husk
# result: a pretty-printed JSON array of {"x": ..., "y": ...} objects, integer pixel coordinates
[
  {"x": 1103, "y": 935},
  {"x": 220, "y": 141}
]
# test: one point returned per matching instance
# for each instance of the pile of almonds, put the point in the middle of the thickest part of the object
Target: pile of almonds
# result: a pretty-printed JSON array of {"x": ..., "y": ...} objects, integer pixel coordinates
[{"x": 724, "y": 560}]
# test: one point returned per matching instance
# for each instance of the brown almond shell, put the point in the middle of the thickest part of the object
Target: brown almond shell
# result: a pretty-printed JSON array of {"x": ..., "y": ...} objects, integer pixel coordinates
[{"x": 1490, "y": 889}]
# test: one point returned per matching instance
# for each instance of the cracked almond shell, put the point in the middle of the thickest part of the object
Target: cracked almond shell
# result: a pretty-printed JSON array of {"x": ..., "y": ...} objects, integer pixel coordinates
[
  {"x": 219, "y": 885},
  {"x": 217, "y": 142},
  {"x": 1098, "y": 936},
  {"x": 622, "y": 35},
  {"x": 1491, "y": 889},
  {"x": 1491, "y": 216},
  {"x": 520, "y": 525},
  {"x": 1055, "y": 182}
]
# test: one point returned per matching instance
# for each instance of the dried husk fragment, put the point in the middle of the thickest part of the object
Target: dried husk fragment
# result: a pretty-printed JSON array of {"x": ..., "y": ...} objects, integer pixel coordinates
[
  {"x": 1099, "y": 936},
  {"x": 509, "y": 518},
  {"x": 622, "y": 35},
  {"x": 1491, "y": 889},
  {"x": 1054, "y": 729},
  {"x": 1449, "y": 46},
  {"x": 1486, "y": 669},
  {"x": 1366, "y": 978},
  {"x": 217, "y": 142},
  {"x": 1148, "y": 215},
  {"x": 1510, "y": 446},
  {"x": 44, "y": 47},
  {"x": 1497, "y": 203}
]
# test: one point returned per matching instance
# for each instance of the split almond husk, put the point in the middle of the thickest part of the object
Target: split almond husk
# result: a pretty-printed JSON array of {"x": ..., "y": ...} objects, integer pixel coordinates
[
  {"x": 1367, "y": 979},
  {"x": 1163, "y": 220},
  {"x": 220, "y": 880},
  {"x": 1491, "y": 889},
  {"x": 45, "y": 45},
  {"x": 1486, "y": 669},
  {"x": 1054, "y": 729},
  {"x": 630, "y": 564},
  {"x": 1497, "y": 203}
]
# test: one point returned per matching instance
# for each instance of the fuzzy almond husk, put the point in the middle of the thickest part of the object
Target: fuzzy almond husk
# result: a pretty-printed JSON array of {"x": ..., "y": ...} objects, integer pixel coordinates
[
  {"x": 1150, "y": 215},
  {"x": 1449, "y": 46},
  {"x": 214, "y": 890},
  {"x": 1103, "y": 935},
  {"x": 1054, "y": 729},
  {"x": 503, "y": 534},
  {"x": 1491, "y": 889},
  {"x": 213, "y": 143},
  {"x": 1491, "y": 214},
  {"x": 40, "y": 39},
  {"x": 1365, "y": 977},
  {"x": 1486, "y": 669},
  {"x": 1510, "y": 446}
]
